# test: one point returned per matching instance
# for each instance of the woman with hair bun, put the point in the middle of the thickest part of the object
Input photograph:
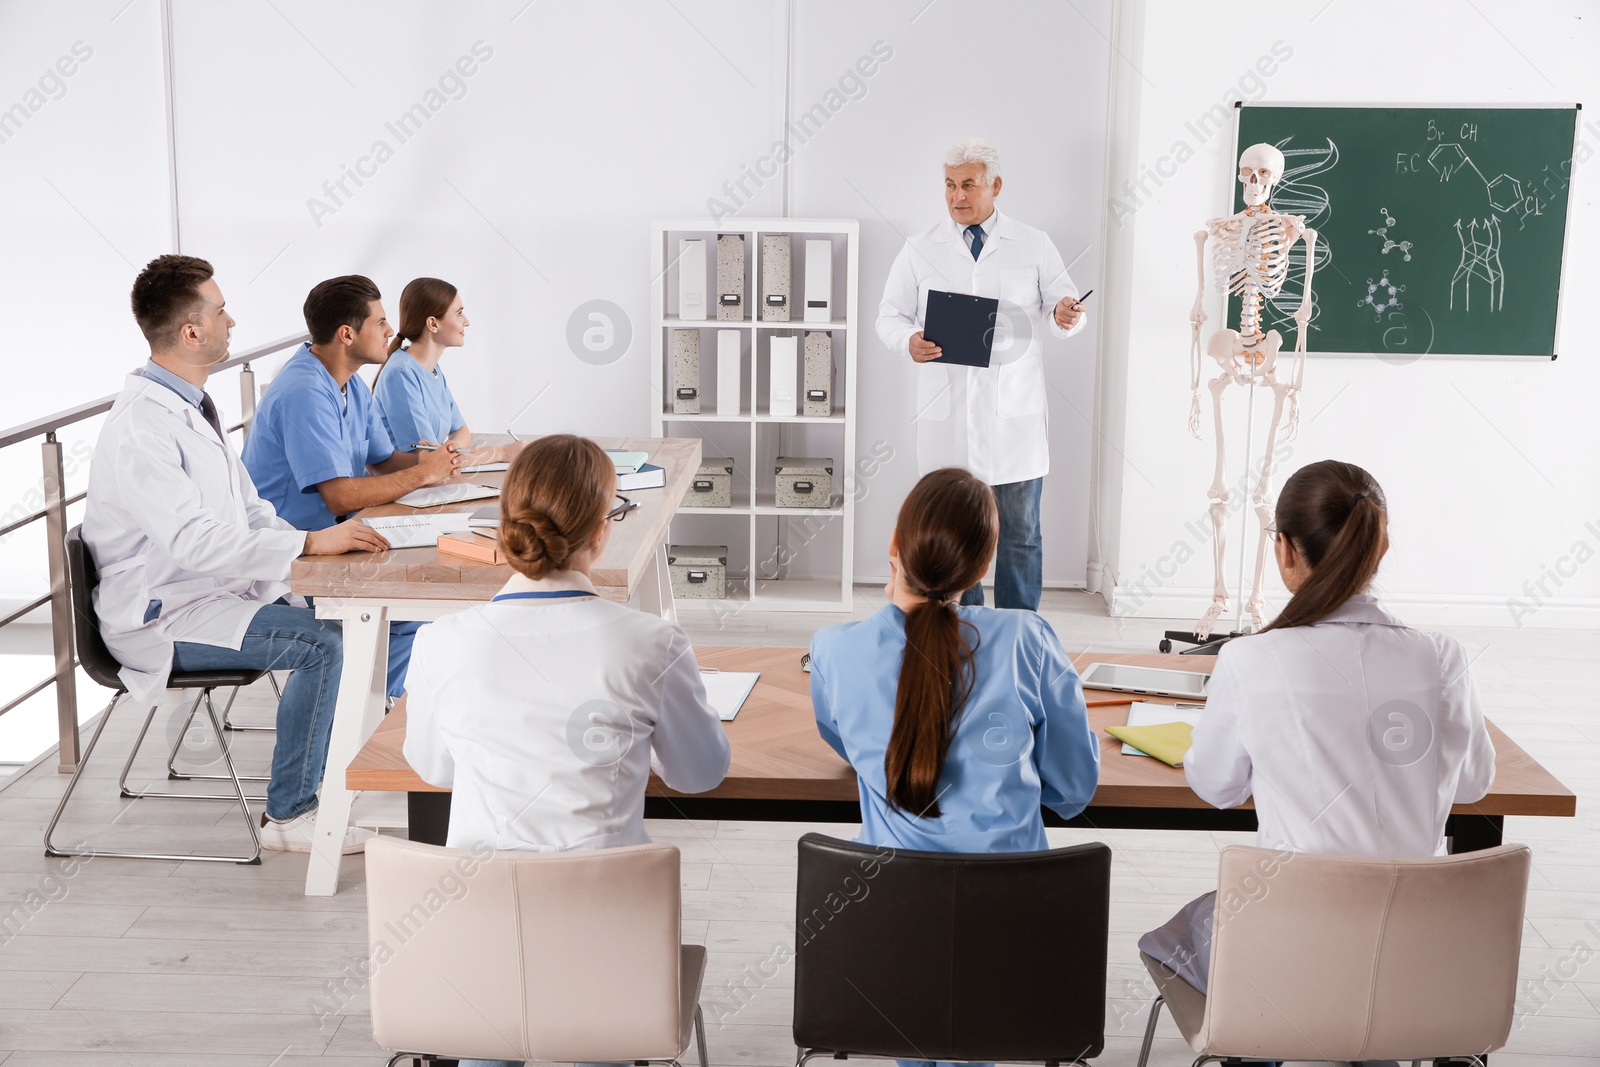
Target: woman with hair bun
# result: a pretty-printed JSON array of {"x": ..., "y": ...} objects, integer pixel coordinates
[
  {"x": 545, "y": 708},
  {"x": 959, "y": 720},
  {"x": 1354, "y": 732}
]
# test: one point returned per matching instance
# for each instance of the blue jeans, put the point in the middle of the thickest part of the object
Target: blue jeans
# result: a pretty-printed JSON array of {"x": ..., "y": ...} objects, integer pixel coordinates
[
  {"x": 286, "y": 638},
  {"x": 401, "y": 634},
  {"x": 1019, "y": 558}
]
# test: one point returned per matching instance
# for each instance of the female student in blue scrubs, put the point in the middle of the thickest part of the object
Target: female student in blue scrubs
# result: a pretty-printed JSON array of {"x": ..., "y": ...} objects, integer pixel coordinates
[
  {"x": 958, "y": 742},
  {"x": 413, "y": 397}
]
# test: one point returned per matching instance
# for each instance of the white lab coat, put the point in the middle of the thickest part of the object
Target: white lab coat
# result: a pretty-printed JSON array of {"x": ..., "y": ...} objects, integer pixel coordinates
[
  {"x": 546, "y": 717},
  {"x": 173, "y": 516},
  {"x": 991, "y": 420},
  {"x": 1355, "y": 735}
]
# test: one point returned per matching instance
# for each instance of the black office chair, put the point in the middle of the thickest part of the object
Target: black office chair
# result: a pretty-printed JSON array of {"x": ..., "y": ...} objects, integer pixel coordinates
[
  {"x": 946, "y": 956},
  {"x": 101, "y": 666}
]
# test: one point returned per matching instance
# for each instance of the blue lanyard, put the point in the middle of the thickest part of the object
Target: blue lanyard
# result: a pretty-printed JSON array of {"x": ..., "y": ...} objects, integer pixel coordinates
[{"x": 540, "y": 596}]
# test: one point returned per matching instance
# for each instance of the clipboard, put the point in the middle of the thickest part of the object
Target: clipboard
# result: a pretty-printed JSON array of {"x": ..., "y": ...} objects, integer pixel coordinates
[{"x": 961, "y": 325}]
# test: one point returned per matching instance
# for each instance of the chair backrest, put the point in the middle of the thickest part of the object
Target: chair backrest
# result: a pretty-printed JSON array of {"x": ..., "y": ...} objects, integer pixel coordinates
[
  {"x": 524, "y": 955},
  {"x": 1348, "y": 958},
  {"x": 82, "y": 577},
  {"x": 946, "y": 956}
]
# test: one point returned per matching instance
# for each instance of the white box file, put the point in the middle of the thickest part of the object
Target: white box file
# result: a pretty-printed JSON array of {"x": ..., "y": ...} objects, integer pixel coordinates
[
  {"x": 782, "y": 373},
  {"x": 686, "y": 372},
  {"x": 730, "y": 277},
  {"x": 776, "y": 249},
  {"x": 727, "y": 372},
  {"x": 692, "y": 280},
  {"x": 819, "y": 281},
  {"x": 818, "y": 395}
]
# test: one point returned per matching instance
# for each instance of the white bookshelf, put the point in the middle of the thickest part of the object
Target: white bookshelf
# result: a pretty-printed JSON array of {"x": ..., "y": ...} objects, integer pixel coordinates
[{"x": 765, "y": 542}]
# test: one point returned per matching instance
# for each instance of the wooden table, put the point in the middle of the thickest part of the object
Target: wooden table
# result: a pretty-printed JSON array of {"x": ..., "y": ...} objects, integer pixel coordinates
[
  {"x": 367, "y": 591},
  {"x": 783, "y": 771}
]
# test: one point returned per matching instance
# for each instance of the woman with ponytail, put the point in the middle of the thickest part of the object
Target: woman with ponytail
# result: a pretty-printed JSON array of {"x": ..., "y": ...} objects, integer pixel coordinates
[
  {"x": 544, "y": 708},
  {"x": 959, "y": 721},
  {"x": 1353, "y": 732},
  {"x": 413, "y": 398}
]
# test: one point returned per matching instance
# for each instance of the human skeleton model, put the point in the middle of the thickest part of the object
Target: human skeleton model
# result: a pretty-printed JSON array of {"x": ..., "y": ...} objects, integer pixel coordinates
[{"x": 1250, "y": 258}]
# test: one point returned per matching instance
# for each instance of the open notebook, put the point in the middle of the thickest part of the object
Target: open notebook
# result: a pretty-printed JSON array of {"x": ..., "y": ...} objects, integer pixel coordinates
[{"x": 417, "y": 531}]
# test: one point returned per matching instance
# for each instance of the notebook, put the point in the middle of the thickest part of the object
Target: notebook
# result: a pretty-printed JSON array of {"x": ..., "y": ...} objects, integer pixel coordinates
[
  {"x": 627, "y": 462},
  {"x": 648, "y": 476},
  {"x": 417, "y": 531},
  {"x": 451, "y": 493},
  {"x": 962, "y": 326},
  {"x": 726, "y": 691}
]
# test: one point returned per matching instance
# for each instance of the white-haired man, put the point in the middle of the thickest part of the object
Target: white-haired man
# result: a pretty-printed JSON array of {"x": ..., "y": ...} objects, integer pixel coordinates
[{"x": 991, "y": 420}]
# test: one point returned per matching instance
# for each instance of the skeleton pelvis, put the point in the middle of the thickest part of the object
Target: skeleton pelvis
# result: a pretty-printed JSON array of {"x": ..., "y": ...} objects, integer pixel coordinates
[{"x": 1227, "y": 347}]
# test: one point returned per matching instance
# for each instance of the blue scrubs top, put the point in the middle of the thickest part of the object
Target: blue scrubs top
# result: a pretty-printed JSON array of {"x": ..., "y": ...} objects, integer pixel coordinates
[
  {"x": 415, "y": 403},
  {"x": 1022, "y": 739},
  {"x": 305, "y": 432}
]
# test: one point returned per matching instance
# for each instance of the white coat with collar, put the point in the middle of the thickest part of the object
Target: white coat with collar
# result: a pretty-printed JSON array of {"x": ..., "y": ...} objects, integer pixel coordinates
[
  {"x": 991, "y": 420},
  {"x": 172, "y": 516},
  {"x": 1355, "y": 735},
  {"x": 546, "y": 716}
]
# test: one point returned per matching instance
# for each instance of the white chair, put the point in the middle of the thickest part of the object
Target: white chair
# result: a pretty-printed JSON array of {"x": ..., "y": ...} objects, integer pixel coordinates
[
  {"x": 567, "y": 956},
  {"x": 1336, "y": 958}
]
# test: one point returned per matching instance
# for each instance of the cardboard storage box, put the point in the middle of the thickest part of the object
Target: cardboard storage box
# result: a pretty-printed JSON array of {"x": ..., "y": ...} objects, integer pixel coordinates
[
  {"x": 699, "y": 572},
  {"x": 712, "y": 486},
  {"x": 804, "y": 482}
]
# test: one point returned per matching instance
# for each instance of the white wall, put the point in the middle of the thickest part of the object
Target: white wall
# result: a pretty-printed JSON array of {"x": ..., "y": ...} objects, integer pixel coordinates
[{"x": 1490, "y": 467}]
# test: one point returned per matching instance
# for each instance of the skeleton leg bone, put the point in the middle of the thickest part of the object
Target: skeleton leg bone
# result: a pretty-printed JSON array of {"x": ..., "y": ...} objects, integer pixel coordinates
[
  {"x": 1261, "y": 501},
  {"x": 1220, "y": 498}
]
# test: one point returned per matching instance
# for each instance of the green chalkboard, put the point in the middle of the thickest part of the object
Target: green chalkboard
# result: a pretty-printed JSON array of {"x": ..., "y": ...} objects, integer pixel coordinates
[{"x": 1440, "y": 230}]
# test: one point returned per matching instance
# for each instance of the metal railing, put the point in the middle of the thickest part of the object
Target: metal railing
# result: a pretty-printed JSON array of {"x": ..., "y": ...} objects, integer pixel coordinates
[{"x": 54, "y": 514}]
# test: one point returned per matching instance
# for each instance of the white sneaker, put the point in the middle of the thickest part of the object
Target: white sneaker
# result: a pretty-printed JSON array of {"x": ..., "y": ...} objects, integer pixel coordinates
[{"x": 296, "y": 834}]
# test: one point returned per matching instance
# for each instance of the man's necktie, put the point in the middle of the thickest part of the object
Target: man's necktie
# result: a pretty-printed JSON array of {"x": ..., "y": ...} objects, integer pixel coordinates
[
  {"x": 977, "y": 239},
  {"x": 208, "y": 408}
]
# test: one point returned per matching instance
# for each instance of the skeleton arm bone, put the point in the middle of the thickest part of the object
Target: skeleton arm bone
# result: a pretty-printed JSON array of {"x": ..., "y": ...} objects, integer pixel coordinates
[
  {"x": 1197, "y": 317},
  {"x": 1302, "y": 318}
]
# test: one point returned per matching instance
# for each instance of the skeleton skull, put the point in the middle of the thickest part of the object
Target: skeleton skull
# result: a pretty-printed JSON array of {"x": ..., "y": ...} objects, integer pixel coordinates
[{"x": 1260, "y": 167}]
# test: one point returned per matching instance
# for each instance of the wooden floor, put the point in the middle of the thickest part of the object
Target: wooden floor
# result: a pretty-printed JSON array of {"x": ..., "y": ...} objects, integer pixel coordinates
[{"x": 136, "y": 963}]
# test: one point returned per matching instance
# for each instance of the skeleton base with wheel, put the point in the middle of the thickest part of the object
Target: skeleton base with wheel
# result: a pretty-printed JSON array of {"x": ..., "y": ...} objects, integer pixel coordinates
[{"x": 1250, "y": 258}]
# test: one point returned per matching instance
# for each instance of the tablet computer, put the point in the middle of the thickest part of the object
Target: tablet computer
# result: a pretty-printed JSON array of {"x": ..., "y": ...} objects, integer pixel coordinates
[{"x": 1157, "y": 681}]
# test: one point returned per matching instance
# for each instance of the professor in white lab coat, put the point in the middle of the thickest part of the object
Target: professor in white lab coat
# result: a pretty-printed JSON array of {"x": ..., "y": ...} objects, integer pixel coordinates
[
  {"x": 991, "y": 420},
  {"x": 193, "y": 564}
]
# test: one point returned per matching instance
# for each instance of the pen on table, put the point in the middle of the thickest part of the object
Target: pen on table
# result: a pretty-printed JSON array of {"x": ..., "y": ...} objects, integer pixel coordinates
[
  {"x": 1105, "y": 703},
  {"x": 421, "y": 447}
]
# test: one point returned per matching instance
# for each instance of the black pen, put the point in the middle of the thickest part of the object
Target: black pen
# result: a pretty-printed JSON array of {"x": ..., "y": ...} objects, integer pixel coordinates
[{"x": 1077, "y": 301}]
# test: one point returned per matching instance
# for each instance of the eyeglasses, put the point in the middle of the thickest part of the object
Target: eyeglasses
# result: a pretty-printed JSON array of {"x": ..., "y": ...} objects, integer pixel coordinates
[
  {"x": 620, "y": 512},
  {"x": 1272, "y": 531}
]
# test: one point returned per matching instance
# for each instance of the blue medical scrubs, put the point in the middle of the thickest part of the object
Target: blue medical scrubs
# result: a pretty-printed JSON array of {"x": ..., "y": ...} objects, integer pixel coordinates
[
  {"x": 415, "y": 403},
  {"x": 1022, "y": 740},
  {"x": 308, "y": 431}
]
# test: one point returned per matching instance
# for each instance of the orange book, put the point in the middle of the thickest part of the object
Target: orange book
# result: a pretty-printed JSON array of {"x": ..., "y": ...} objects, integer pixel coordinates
[{"x": 470, "y": 545}]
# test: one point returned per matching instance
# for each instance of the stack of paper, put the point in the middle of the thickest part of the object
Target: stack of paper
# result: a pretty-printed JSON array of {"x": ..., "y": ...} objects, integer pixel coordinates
[{"x": 726, "y": 691}]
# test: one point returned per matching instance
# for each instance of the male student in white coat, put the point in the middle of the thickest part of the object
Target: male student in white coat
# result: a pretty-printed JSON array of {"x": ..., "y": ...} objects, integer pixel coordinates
[
  {"x": 193, "y": 564},
  {"x": 991, "y": 420}
]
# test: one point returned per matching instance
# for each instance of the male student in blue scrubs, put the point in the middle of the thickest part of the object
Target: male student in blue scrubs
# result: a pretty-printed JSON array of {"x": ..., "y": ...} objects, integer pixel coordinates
[{"x": 317, "y": 448}]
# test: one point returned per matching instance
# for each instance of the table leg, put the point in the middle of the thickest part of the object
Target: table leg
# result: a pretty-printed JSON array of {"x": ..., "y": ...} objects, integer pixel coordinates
[
  {"x": 1473, "y": 833},
  {"x": 356, "y": 714},
  {"x": 655, "y": 591}
]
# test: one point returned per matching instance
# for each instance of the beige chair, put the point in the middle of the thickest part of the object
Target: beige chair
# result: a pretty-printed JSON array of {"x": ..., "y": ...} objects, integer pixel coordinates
[
  {"x": 1339, "y": 958},
  {"x": 568, "y": 956}
]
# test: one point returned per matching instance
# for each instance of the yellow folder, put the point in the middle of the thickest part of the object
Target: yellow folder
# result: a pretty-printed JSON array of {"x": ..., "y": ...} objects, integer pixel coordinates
[{"x": 1167, "y": 742}]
